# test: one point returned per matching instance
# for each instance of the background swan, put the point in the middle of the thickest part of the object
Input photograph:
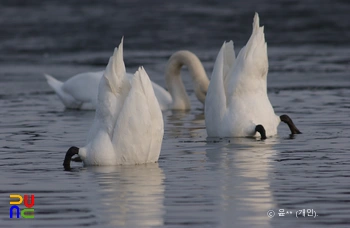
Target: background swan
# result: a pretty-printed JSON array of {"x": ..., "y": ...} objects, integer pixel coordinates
[
  {"x": 80, "y": 91},
  {"x": 128, "y": 124},
  {"x": 237, "y": 104}
]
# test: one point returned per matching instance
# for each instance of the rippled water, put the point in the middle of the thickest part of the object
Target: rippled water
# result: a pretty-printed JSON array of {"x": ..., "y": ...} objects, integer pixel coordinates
[{"x": 197, "y": 182}]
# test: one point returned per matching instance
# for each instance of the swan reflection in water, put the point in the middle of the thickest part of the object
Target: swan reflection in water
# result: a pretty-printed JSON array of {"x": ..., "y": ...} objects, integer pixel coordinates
[
  {"x": 131, "y": 195},
  {"x": 188, "y": 125},
  {"x": 243, "y": 168}
]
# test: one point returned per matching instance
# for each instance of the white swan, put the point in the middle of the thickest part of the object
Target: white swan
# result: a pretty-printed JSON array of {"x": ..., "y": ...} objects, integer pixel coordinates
[
  {"x": 80, "y": 91},
  {"x": 237, "y": 104},
  {"x": 128, "y": 124}
]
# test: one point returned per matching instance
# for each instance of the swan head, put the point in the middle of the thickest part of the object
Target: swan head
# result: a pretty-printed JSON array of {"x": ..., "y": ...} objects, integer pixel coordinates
[{"x": 70, "y": 153}]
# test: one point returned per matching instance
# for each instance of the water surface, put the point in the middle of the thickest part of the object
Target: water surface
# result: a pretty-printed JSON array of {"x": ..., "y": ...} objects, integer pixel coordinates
[{"x": 197, "y": 182}]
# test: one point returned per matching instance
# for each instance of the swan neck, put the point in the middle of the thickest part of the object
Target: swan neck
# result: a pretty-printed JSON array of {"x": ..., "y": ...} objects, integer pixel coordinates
[{"x": 174, "y": 80}]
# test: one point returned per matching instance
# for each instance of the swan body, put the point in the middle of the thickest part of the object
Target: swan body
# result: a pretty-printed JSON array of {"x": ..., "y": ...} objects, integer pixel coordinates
[
  {"x": 128, "y": 124},
  {"x": 80, "y": 91},
  {"x": 237, "y": 104}
]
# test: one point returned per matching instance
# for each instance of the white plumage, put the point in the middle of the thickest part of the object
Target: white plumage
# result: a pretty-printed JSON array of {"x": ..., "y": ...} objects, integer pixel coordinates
[
  {"x": 80, "y": 91},
  {"x": 128, "y": 124},
  {"x": 237, "y": 100}
]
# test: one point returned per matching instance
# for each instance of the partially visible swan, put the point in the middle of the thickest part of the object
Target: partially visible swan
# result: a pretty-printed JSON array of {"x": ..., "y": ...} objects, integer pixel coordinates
[
  {"x": 80, "y": 91},
  {"x": 237, "y": 104},
  {"x": 128, "y": 124}
]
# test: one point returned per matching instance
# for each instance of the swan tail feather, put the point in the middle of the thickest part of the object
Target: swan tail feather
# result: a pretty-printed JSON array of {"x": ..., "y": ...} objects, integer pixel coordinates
[
  {"x": 156, "y": 116},
  {"x": 113, "y": 90},
  {"x": 146, "y": 132},
  {"x": 152, "y": 101},
  {"x": 53, "y": 82},
  {"x": 115, "y": 73},
  {"x": 67, "y": 99},
  {"x": 256, "y": 50}
]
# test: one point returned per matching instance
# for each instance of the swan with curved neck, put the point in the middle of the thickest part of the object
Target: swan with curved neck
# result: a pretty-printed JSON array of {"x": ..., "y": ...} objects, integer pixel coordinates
[
  {"x": 80, "y": 91},
  {"x": 180, "y": 99}
]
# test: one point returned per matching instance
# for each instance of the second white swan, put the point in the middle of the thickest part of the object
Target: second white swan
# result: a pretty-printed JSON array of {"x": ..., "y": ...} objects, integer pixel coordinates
[{"x": 80, "y": 91}]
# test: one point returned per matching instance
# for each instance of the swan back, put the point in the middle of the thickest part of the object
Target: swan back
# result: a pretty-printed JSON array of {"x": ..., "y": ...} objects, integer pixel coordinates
[{"x": 83, "y": 87}]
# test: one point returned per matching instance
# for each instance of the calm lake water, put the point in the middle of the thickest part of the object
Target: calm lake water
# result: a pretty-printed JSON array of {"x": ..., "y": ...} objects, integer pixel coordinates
[{"x": 198, "y": 182}]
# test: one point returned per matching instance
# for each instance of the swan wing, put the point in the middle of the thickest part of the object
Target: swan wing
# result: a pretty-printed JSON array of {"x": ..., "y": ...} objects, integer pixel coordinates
[
  {"x": 215, "y": 102},
  {"x": 228, "y": 60},
  {"x": 138, "y": 132},
  {"x": 249, "y": 71}
]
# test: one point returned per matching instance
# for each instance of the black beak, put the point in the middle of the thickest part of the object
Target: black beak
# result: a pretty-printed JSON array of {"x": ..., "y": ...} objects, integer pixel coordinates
[{"x": 70, "y": 153}]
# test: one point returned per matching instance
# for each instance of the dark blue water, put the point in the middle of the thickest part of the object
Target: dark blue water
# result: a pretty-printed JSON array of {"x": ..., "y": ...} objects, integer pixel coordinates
[{"x": 196, "y": 183}]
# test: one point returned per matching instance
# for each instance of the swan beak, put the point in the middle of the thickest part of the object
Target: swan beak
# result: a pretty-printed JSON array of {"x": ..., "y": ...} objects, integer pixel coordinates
[{"x": 70, "y": 153}]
